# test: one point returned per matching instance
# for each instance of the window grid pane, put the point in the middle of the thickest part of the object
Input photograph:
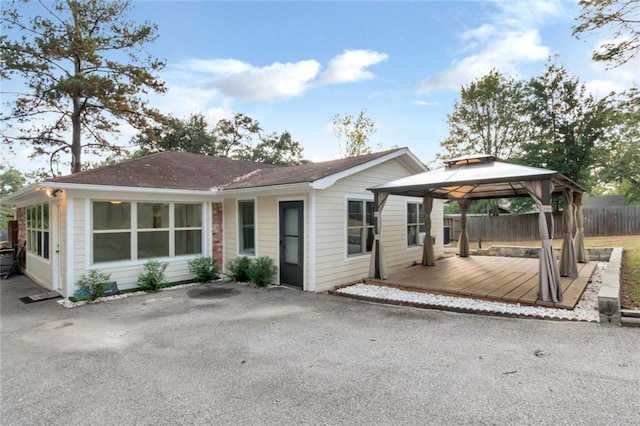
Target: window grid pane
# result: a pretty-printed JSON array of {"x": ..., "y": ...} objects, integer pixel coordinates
[
  {"x": 111, "y": 247},
  {"x": 111, "y": 216},
  {"x": 153, "y": 244},
  {"x": 188, "y": 242},
  {"x": 153, "y": 215}
]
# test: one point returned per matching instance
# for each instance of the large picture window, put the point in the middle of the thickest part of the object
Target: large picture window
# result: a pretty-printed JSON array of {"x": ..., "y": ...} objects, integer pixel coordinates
[
  {"x": 415, "y": 223},
  {"x": 38, "y": 230},
  {"x": 160, "y": 230},
  {"x": 246, "y": 227},
  {"x": 359, "y": 227}
]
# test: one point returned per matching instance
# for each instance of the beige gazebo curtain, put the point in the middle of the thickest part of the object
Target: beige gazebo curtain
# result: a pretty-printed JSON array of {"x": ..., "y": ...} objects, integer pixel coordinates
[
  {"x": 568, "y": 264},
  {"x": 428, "y": 257},
  {"x": 581, "y": 253},
  {"x": 463, "y": 241},
  {"x": 549, "y": 275},
  {"x": 378, "y": 267}
]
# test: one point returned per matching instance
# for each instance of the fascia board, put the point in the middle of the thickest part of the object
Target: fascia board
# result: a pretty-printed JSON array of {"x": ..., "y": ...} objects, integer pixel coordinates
[
  {"x": 130, "y": 189},
  {"x": 276, "y": 189}
]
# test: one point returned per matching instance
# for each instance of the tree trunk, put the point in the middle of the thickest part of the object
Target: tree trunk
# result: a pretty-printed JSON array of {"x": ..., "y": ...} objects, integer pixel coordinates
[{"x": 76, "y": 142}]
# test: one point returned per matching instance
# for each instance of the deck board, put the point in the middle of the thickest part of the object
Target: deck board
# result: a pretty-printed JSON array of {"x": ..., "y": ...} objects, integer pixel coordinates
[{"x": 504, "y": 279}]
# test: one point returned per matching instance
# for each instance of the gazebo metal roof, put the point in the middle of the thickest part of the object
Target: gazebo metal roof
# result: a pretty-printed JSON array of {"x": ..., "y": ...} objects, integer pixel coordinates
[{"x": 475, "y": 177}]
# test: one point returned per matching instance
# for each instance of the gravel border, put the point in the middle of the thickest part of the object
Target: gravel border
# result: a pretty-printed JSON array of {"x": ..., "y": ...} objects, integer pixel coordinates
[{"x": 585, "y": 310}]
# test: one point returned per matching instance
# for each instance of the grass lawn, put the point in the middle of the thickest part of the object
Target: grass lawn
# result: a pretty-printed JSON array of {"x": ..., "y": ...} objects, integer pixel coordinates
[{"x": 630, "y": 261}]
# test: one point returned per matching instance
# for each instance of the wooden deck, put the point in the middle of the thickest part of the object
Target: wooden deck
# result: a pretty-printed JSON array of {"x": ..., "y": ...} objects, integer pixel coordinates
[{"x": 501, "y": 279}]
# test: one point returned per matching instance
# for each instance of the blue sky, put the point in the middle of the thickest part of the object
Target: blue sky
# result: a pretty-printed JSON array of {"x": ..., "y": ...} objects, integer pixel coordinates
[{"x": 292, "y": 65}]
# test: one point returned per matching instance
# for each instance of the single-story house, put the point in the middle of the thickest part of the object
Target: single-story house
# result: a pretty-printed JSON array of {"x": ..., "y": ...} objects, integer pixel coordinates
[{"x": 315, "y": 220}]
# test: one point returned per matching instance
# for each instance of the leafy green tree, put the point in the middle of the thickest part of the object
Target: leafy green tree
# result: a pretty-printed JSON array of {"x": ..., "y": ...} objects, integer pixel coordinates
[
  {"x": 353, "y": 132},
  {"x": 83, "y": 74},
  {"x": 568, "y": 125},
  {"x": 240, "y": 138},
  {"x": 620, "y": 165},
  {"x": 622, "y": 17},
  {"x": 190, "y": 135},
  {"x": 234, "y": 138},
  {"x": 488, "y": 118},
  {"x": 11, "y": 180},
  {"x": 279, "y": 149}
]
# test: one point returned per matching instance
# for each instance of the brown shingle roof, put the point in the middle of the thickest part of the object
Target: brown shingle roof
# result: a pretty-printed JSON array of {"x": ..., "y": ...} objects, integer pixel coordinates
[
  {"x": 169, "y": 169},
  {"x": 181, "y": 170},
  {"x": 303, "y": 173}
]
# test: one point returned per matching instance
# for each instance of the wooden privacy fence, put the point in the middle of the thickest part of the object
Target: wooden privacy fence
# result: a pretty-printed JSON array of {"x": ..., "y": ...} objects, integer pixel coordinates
[{"x": 598, "y": 222}]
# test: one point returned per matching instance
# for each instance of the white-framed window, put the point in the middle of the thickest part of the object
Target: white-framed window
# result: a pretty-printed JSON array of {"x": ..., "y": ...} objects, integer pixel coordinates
[
  {"x": 415, "y": 223},
  {"x": 38, "y": 230},
  {"x": 188, "y": 229},
  {"x": 246, "y": 227},
  {"x": 359, "y": 227},
  {"x": 144, "y": 230}
]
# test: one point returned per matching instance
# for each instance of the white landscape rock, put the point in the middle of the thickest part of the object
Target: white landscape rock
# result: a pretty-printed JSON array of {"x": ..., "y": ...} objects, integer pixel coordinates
[{"x": 585, "y": 310}]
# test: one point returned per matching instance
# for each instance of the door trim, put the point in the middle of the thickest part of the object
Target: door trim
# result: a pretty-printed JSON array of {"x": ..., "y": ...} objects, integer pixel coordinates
[{"x": 287, "y": 269}]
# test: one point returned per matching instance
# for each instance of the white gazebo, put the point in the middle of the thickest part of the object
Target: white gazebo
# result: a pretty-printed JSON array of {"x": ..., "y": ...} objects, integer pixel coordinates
[{"x": 476, "y": 177}]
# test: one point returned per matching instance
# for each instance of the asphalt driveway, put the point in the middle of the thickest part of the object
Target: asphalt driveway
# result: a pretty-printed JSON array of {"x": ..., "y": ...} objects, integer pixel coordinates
[{"x": 230, "y": 354}]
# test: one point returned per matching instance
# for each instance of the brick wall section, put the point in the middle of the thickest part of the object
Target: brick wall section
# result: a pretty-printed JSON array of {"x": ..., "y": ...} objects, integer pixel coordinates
[
  {"x": 21, "y": 214},
  {"x": 217, "y": 233}
]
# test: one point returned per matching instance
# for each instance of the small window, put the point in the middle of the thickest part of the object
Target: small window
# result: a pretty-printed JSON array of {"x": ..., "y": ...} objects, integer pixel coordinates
[
  {"x": 188, "y": 229},
  {"x": 415, "y": 223},
  {"x": 359, "y": 227},
  {"x": 246, "y": 227}
]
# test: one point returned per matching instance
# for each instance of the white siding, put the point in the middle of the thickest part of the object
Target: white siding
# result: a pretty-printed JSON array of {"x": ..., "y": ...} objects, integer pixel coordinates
[
  {"x": 126, "y": 273},
  {"x": 39, "y": 269},
  {"x": 230, "y": 221},
  {"x": 267, "y": 228},
  {"x": 333, "y": 267}
]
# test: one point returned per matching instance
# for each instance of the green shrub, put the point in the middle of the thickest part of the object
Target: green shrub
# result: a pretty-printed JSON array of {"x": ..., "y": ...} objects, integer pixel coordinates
[
  {"x": 261, "y": 271},
  {"x": 152, "y": 278},
  {"x": 205, "y": 268},
  {"x": 238, "y": 268},
  {"x": 92, "y": 285}
]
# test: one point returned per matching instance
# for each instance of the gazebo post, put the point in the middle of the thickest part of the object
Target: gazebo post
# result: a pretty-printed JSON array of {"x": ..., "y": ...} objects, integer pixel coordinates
[
  {"x": 549, "y": 280},
  {"x": 581, "y": 253},
  {"x": 568, "y": 264},
  {"x": 463, "y": 241}
]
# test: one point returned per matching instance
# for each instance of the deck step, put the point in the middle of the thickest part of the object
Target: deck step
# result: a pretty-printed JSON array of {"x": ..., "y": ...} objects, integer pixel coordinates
[
  {"x": 630, "y": 313},
  {"x": 630, "y": 321}
]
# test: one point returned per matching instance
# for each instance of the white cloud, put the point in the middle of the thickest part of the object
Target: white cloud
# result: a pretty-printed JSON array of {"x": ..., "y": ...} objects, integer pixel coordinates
[
  {"x": 351, "y": 66},
  {"x": 601, "y": 88},
  {"x": 215, "y": 66},
  {"x": 505, "y": 54},
  {"x": 508, "y": 40},
  {"x": 527, "y": 14},
  {"x": 479, "y": 34},
  {"x": 425, "y": 103},
  {"x": 276, "y": 81}
]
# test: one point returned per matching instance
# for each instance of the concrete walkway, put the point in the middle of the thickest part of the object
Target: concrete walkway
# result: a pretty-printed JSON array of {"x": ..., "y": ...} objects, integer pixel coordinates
[{"x": 229, "y": 354}]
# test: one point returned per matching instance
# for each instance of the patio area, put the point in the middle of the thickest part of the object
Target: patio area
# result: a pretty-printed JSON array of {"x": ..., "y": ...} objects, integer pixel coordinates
[{"x": 501, "y": 279}]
